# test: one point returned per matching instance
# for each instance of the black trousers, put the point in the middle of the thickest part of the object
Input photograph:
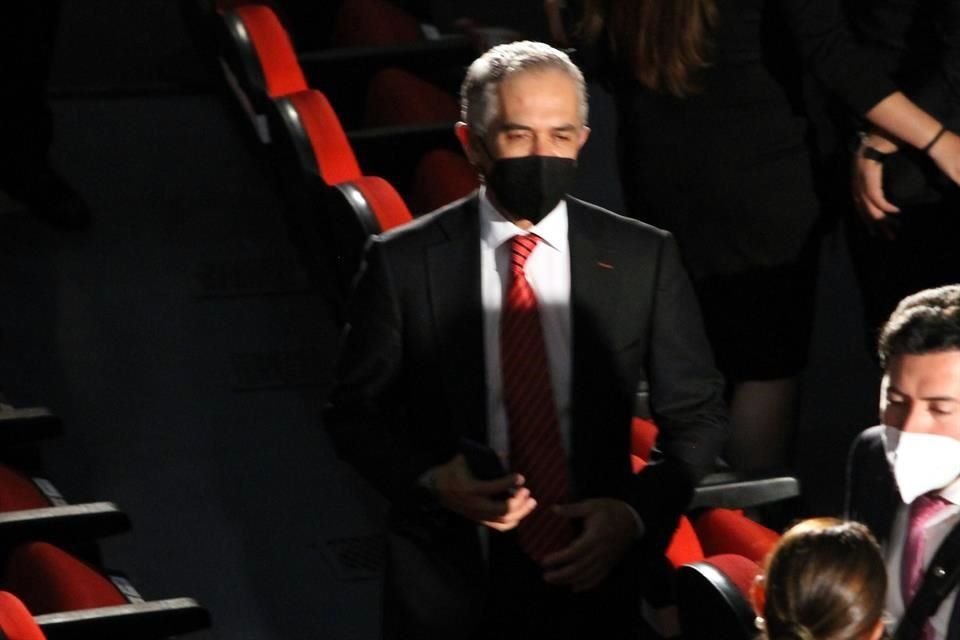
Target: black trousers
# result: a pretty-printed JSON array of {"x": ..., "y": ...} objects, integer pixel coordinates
[{"x": 520, "y": 605}]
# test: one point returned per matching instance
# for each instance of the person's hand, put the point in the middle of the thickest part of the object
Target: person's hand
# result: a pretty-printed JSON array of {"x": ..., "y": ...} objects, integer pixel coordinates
[
  {"x": 482, "y": 501},
  {"x": 945, "y": 152},
  {"x": 867, "y": 180},
  {"x": 608, "y": 528}
]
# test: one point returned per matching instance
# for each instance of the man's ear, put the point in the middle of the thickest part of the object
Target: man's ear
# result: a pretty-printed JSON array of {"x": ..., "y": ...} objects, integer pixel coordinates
[
  {"x": 584, "y": 135},
  {"x": 462, "y": 131}
]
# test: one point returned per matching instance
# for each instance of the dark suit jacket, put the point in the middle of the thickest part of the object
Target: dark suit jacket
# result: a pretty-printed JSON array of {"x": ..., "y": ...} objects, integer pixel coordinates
[
  {"x": 872, "y": 496},
  {"x": 411, "y": 378}
]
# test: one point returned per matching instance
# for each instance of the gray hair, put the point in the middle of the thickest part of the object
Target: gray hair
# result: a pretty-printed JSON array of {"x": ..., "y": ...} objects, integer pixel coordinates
[{"x": 478, "y": 94}]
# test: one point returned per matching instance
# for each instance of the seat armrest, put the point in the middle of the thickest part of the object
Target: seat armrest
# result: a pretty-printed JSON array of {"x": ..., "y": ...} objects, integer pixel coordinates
[
  {"x": 146, "y": 620},
  {"x": 64, "y": 524},
  {"x": 730, "y": 490}
]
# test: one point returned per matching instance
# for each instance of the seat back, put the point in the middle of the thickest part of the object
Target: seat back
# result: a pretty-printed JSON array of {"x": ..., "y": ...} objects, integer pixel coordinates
[
  {"x": 49, "y": 580},
  {"x": 713, "y": 598},
  {"x": 316, "y": 137},
  {"x": 442, "y": 176},
  {"x": 18, "y": 492},
  {"x": 724, "y": 531},
  {"x": 263, "y": 42},
  {"x": 16, "y": 623},
  {"x": 396, "y": 97},
  {"x": 372, "y": 23}
]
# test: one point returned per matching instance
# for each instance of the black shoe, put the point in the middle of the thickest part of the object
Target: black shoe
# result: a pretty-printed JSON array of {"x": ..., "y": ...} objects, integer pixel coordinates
[{"x": 54, "y": 201}]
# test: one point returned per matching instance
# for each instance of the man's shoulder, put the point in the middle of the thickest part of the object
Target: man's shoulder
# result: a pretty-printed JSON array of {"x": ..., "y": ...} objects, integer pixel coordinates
[
  {"x": 606, "y": 221},
  {"x": 434, "y": 226}
]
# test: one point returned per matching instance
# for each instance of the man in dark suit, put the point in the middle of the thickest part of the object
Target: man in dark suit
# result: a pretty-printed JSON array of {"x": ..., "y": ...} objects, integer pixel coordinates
[
  {"x": 445, "y": 382},
  {"x": 904, "y": 476}
]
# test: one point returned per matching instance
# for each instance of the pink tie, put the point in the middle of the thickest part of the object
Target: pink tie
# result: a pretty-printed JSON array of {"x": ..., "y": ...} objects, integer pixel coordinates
[
  {"x": 536, "y": 450},
  {"x": 922, "y": 510}
]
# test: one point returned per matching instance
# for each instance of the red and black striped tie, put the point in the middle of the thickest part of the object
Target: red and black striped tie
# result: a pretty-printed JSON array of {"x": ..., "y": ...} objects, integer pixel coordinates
[{"x": 536, "y": 450}]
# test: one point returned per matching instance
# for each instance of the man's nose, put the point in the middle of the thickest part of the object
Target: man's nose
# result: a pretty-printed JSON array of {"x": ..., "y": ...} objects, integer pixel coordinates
[{"x": 912, "y": 420}]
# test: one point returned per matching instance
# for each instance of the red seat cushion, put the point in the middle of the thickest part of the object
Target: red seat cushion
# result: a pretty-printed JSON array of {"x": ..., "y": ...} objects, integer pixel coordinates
[
  {"x": 396, "y": 97},
  {"x": 442, "y": 176},
  {"x": 643, "y": 435},
  {"x": 270, "y": 39},
  {"x": 16, "y": 623},
  {"x": 386, "y": 203},
  {"x": 335, "y": 159},
  {"x": 684, "y": 546},
  {"x": 49, "y": 580},
  {"x": 17, "y": 492},
  {"x": 723, "y": 531},
  {"x": 369, "y": 23}
]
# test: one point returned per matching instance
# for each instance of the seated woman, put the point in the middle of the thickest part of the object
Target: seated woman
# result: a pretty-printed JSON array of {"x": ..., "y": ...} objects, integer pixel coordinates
[{"x": 825, "y": 580}]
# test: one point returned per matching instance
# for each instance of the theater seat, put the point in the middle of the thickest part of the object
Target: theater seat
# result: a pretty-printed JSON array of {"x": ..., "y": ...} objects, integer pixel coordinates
[
  {"x": 16, "y": 623},
  {"x": 721, "y": 531},
  {"x": 396, "y": 97},
  {"x": 33, "y": 508},
  {"x": 258, "y": 61},
  {"x": 714, "y": 598},
  {"x": 441, "y": 177},
  {"x": 71, "y": 597},
  {"x": 48, "y": 579},
  {"x": 371, "y": 23},
  {"x": 310, "y": 139}
]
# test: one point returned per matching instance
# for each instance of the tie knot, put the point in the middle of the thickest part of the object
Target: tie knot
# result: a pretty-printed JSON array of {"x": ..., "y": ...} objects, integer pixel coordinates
[
  {"x": 926, "y": 507},
  {"x": 521, "y": 246}
]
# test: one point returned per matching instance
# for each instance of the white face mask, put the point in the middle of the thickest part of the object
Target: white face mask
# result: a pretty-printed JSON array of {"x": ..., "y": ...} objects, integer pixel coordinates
[{"x": 921, "y": 462}]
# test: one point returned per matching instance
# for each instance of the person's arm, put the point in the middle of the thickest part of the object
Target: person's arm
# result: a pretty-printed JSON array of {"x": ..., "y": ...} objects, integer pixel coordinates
[{"x": 686, "y": 400}]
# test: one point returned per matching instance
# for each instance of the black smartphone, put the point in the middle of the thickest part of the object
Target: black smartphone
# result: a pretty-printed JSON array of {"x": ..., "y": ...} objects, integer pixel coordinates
[{"x": 484, "y": 462}]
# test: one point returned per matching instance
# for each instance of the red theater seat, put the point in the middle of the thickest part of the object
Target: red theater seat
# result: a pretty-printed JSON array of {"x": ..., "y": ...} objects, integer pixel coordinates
[
  {"x": 318, "y": 140},
  {"x": 48, "y": 579},
  {"x": 396, "y": 97},
  {"x": 714, "y": 598},
  {"x": 370, "y": 23},
  {"x": 16, "y": 623},
  {"x": 72, "y": 599},
  {"x": 280, "y": 71},
  {"x": 442, "y": 176},
  {"x": 724, "y": 531}
]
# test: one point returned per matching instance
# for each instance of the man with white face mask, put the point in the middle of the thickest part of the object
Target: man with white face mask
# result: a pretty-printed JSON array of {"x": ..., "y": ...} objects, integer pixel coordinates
[{"x": 904, "y": 475}]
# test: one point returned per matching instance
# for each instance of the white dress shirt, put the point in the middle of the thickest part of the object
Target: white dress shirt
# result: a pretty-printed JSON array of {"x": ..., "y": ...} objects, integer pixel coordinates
[
  {"x": 548, "y": 272},
  {"x": 934, "y": 534}
]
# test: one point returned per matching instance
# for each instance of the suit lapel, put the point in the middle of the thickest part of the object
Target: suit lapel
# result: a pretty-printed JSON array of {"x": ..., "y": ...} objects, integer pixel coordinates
[
  {"x": 595, "y": 278},
  {"x": 453, "y": 271}
]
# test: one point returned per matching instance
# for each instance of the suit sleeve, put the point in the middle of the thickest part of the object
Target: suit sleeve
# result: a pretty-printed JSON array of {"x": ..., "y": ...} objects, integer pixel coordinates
[
  {"x": 686, "y": 398},
  {"x": 366, "y": 415}
]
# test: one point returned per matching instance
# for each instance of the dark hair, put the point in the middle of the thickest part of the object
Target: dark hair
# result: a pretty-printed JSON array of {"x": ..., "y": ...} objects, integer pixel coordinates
[
  {"x": 925, "y": 322},
  {"x": 825, "y": 580},
  {"x": 662, "y": 42}
]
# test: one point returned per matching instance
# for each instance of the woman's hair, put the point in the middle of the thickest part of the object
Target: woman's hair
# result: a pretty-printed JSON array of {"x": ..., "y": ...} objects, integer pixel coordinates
[
  {"x": 825, "y": 580},
  {"x": 663, "y": 42}
]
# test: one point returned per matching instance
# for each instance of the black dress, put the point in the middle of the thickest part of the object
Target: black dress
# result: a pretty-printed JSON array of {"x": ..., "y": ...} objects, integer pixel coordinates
[
  {"x": 728, "y": 171},
  {"x": 918, "y": 43}
]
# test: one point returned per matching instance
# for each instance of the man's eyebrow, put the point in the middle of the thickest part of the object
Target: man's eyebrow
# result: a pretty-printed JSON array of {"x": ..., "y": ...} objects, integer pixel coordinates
[
  {"x": 515, "y": 126},
  {"x": 893, "y": 389}
]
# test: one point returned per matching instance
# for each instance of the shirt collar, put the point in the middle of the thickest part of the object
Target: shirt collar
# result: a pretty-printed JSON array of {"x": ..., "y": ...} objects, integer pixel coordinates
[
  {"x": 951, "y": 492},
  {"x": 495, "y": 229}
]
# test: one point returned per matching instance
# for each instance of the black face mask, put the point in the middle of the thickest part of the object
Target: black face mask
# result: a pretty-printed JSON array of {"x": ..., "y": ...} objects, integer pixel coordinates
[{"x": 529, "y": 187}]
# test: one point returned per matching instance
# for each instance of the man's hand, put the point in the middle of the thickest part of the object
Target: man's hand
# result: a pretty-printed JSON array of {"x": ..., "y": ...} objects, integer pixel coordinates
[
  {"x": 608, "y": 529},
  {"x": 867, "y": 180},
  {"x": 482, "y": 500}
]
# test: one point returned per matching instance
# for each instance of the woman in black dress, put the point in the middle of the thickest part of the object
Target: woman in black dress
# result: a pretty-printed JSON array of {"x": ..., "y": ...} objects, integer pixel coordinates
[{"x": 713, "y": 147}]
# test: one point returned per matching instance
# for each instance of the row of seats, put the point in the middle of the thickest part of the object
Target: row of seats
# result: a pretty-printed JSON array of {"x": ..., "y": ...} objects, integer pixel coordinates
[
  {"x": 396, "y": 158},
  {"x": 51, "y": 582}
]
